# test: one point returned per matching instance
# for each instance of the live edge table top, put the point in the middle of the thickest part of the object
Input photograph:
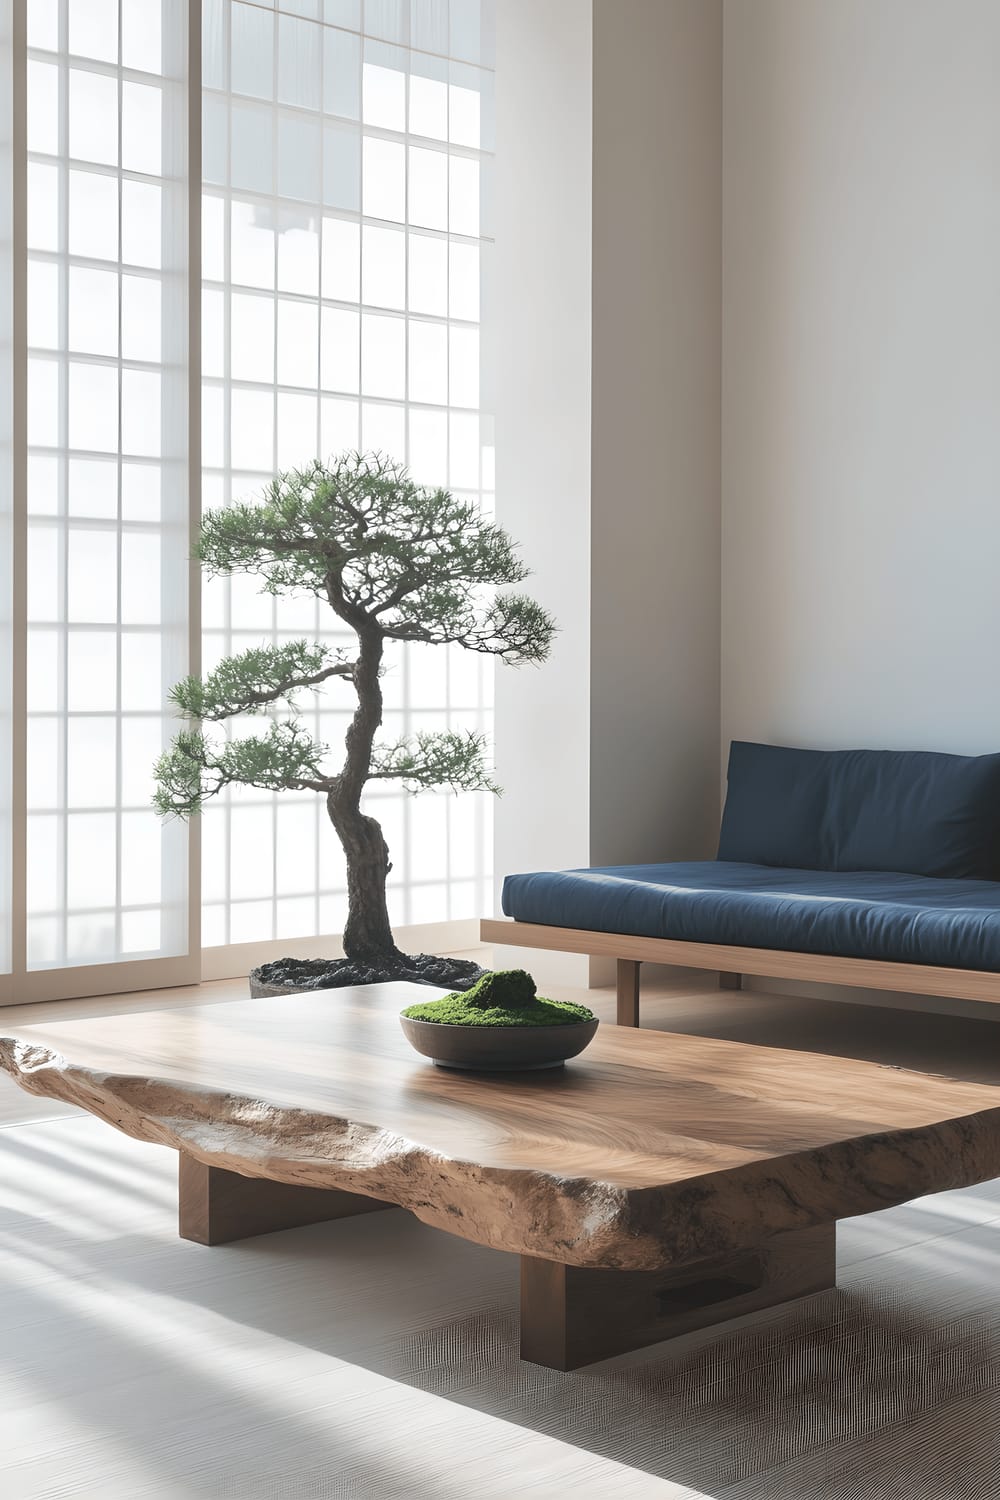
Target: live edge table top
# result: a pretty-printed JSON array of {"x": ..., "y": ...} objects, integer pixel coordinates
[{"x": 650, "y": 1150}]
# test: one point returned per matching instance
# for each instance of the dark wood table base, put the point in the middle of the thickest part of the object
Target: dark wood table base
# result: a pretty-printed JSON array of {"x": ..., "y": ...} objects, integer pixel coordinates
[
  {"x": 570, "y": 1315},
  {"x": 215, "y": 1207}
]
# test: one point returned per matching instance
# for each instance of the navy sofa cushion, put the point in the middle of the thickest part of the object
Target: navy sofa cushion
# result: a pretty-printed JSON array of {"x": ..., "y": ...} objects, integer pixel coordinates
[
  {"x": 897, "y": 917},
  {"x": 913, "y": 811}
]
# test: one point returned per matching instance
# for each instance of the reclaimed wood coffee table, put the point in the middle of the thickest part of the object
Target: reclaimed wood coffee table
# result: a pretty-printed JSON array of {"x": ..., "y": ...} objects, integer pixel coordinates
[{"x": 658, "y": 1184}]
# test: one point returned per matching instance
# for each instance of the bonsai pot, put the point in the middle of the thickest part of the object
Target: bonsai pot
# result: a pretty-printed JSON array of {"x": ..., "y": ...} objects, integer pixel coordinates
[
  {"x": 497, "y": 1049},
  {"x": 498, "y": 1025}
]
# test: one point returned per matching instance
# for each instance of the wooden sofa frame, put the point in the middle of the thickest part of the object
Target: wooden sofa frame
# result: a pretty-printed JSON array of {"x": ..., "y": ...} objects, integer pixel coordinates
[{"x": 733, "y": 963}]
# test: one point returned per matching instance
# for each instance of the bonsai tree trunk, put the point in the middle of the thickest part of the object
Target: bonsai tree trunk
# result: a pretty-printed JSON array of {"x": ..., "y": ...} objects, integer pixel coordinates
[{"x": 367, "y": 933}]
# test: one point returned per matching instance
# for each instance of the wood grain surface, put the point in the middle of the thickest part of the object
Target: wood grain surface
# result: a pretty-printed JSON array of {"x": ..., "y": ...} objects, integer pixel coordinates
[{"x": 649, "y": 1150}]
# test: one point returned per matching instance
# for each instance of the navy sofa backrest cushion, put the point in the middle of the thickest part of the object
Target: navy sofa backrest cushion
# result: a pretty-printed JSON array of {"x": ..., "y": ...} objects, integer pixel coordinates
[{"x": 914, "y": 811}]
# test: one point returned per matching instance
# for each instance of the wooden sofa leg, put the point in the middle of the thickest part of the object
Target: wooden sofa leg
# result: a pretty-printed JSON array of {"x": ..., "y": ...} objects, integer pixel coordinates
[
  {"x": 628, "y": 992},
  {"x": 730, "y": 981}
]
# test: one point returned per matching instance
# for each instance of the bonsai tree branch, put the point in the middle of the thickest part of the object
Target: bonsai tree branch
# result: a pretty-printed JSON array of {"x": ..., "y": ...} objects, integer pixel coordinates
[
  {"x": 362, "y": 535},
  {"x": 513, "y": 627},
  {"x": 194, "y": 769},
  {"x": 259, "y": 677},
  {"x": 426, "y": 759}
]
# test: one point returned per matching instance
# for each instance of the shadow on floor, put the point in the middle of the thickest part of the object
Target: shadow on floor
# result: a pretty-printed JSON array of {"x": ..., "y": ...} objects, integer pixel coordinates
[
  {"x": 954, "y": 1046},
  {"x": 895, "y": 1377}
]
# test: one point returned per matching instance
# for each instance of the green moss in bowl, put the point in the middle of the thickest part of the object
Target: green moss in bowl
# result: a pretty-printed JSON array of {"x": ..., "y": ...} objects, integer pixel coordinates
[{"x": 506, "y": 997}]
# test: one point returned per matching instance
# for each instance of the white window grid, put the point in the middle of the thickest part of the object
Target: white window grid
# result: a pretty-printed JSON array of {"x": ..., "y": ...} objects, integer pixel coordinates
[
  {"x": 61, "y": 941},
  {"x": 107, "y": 475},
  {"x": 10, "y": 595},
  {"x": 323, "y": 340}
]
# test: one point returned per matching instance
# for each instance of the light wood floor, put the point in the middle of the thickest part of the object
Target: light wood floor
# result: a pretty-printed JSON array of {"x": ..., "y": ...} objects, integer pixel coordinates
[{"x": 375, "y": 1359}]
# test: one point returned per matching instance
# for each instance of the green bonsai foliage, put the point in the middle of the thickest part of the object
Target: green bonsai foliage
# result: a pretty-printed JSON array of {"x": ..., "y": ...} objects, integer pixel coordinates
[
  {"x": 394, "y": 561},
  {"x": 505, "y": 997}
]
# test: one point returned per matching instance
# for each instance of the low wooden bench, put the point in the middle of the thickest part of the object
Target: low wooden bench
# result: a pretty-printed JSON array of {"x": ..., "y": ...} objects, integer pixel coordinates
[{"x": 732, "y": 963}]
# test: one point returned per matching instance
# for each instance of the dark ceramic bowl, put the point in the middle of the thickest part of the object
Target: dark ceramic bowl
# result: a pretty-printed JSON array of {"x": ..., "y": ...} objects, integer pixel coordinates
[{"x": 497, "y": 1049}]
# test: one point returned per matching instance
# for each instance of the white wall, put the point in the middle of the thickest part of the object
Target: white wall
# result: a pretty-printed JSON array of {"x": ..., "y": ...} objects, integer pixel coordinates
[
  {"x": 655, "y": 429},
  {"x": 861, "y": 357},
  {"x": 608, "y": 257},
  {"x": 542, "y": 362}
]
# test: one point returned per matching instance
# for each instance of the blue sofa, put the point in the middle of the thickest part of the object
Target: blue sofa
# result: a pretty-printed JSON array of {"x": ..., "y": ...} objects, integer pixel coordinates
[{"x": 866, "y": 867}]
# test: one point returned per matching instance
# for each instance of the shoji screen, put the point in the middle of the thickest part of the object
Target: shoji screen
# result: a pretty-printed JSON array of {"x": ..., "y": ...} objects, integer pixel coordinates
[
  {"x": 347, "y": 154},
  {"x": 107, "y": 491},
  {"x": 7, "y": 114}
]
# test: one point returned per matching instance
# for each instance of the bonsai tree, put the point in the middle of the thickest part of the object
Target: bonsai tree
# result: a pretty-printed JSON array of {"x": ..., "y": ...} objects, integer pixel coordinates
[{"x": 395, "y": 561}]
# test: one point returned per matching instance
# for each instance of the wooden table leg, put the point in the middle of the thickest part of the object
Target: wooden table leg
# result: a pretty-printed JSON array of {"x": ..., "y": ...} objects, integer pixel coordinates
[
  {"x": 628, "y": 992},
  {"x": 730, "y": 981},
  {"x": 216, "y": 1206},
  {"x": 571, "y": 1316}
]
